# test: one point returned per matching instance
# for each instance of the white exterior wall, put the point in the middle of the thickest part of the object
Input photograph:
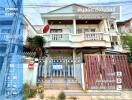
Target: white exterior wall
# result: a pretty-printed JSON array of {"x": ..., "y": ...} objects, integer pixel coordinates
[
  {"x": 28, "y": 31},
  {"x": 30, "y": 75},
  {"x": 89, "y": 26}
]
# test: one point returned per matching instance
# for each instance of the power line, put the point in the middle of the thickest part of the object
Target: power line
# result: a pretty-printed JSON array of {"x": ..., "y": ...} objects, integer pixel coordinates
[{"x": 63, "y": 4}]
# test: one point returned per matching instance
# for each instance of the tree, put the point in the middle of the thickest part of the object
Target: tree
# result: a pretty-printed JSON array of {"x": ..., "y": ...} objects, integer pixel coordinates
[
  {"x": 36, "y": 44},
  {"x": 127, "y": 41}
]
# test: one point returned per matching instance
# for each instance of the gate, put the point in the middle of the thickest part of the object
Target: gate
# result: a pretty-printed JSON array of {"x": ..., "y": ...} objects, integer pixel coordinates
[
  {"x": 58, "y": 73},
  {"x": 103, "y": 71}
]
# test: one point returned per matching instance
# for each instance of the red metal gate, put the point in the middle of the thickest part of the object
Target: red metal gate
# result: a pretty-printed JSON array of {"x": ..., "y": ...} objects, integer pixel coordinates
[{"x": 100, "y": 71}]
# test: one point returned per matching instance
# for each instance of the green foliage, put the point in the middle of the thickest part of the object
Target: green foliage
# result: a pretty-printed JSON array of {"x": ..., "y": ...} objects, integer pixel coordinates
[
  {"x": 40, "y": 89},
  {"x": 129, "y": 58},
  {"x": 28, "y": 91},
  {"x": 38, "y": 41},
  {"x": 127, "y": 40},
  {"x": 32, "y": 92},
  {"x": 61, "y": 96},
  {"x": 35, "y": 42}
]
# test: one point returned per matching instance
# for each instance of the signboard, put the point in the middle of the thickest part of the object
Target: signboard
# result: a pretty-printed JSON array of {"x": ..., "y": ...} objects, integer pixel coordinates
[
  {"x": 107, "y": 11},
  {"x": 31, "y": 65},
  {"x": 57, "y": 65},
  {"x": 93, "y": 16}
]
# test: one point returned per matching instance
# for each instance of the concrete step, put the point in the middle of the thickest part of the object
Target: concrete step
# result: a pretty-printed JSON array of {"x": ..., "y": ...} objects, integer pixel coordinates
[{"x": 62, "y": 84}]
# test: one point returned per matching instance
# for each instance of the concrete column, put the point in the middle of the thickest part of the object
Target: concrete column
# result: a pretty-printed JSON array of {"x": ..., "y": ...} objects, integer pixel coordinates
[
  {"x": 115, "y": 26},
  {"x": 108, "y": 21},
  {"x": 83, "y": 81},
  {"x": 74, "y": 61},
  {"x": 35, "y": 72},
  {"x": 106, "y": 26},
  {"x": 45, "y": 21},
  {"x": 74, "y": 26},
  {"x": 102, "y": 51}
]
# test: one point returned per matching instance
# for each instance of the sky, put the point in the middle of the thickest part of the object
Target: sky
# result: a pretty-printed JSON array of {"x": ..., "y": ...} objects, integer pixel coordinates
[{"x": 33, "y": 8}]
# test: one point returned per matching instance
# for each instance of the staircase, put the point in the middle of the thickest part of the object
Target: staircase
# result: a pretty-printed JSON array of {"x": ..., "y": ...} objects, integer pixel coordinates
[{"x": 62, "y": 84}]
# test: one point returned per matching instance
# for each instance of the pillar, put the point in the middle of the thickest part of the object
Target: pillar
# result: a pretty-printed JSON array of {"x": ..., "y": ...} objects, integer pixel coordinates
[
  {"x": 74, "y": 61},
  {"x": 74, "y": 26},
  {"x": 115, "y": 26},
  {"x": 106, "y": 26}
]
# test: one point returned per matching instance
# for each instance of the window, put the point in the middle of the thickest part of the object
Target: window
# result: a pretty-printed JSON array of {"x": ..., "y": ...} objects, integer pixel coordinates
[
  {"x": 5, "y": 30},
  {"x": 55, "y": 30},
  {"x": 86, "y": 30},
  {"x": 7, "y": 22},
  {"x": 1, "y": 61},
  {"x": 116, "y": 43},
  {"x": 112, "y": 45},
  {"x": 79, "y": 31},
  {"x": 92, "y": 30}
]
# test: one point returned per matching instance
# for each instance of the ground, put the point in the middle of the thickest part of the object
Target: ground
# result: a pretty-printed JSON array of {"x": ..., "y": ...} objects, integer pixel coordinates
[{"x": 82, "y": 95}]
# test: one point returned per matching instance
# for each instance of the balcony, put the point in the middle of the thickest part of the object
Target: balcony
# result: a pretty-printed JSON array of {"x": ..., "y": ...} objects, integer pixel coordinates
[
  {"x": 4, "y": 37},
  {"x": 89, "y": 39}
]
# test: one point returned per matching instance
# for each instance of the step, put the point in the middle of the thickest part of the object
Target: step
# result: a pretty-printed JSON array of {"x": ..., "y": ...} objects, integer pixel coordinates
[{"x": 63, "y": 86}]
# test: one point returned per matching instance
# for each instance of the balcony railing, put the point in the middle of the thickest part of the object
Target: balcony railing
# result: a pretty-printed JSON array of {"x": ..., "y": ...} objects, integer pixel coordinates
[
  {"x": 90, "y": 36},
  {"x": 93, "y": 36},
  {"x": 59, "y": 37}
]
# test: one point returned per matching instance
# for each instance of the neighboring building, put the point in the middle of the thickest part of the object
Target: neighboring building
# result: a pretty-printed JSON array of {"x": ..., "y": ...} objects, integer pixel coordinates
[
  {"x": 125, "y": 26},
  {"x": 74, "y": 31},
  {"x": 28, "y": 30},
  {"x": 11, "y": 49}
]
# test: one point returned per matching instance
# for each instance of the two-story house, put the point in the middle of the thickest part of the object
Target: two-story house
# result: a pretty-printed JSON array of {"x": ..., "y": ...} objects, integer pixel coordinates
[{"x": 71, "y": 32}]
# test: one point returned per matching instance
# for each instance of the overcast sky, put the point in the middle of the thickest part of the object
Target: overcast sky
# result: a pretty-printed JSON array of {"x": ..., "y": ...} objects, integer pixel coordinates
[{"x": 32, "y": 11}]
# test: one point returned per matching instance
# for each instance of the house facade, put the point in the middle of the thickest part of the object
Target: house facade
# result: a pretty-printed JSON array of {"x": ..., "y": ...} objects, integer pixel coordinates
[
  {"x": 71, "y": 32},
  {"x": 75, "y": 30}
]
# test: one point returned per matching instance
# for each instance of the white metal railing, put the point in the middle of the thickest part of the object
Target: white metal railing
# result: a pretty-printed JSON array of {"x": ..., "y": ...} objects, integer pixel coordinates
[
  {"x": 76, "y": 37},
  {"x": 93, "y": 36},
  {"x": 59, "y": 37}
]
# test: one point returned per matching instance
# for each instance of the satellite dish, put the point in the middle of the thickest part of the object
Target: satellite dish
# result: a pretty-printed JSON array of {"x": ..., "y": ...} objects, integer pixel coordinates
[{"x": 46, "y": 29}]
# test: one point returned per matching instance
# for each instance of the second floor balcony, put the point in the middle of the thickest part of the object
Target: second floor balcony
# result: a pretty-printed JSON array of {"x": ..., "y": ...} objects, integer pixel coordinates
[
  {"x": 87, "y": 39},
  {"x": 77, "y": 33}
]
